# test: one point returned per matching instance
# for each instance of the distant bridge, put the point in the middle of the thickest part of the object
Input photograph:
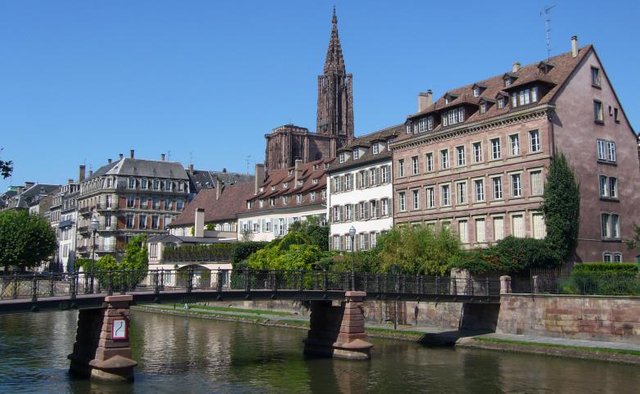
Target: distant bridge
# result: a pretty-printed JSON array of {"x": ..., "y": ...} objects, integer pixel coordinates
[{"x": 33, "y": 292}]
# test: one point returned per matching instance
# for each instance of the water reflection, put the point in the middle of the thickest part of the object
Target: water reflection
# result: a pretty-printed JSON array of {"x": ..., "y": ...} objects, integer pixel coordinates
[{"x": 191, "y": 355}]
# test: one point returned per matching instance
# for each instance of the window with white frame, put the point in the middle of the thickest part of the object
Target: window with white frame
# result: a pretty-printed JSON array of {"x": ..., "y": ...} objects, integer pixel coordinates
[
  {"x": 348, "y": 212},
  {"x": 478, "y": 186},
  {"x": 501, "y": 102},
  {"x": 415, "y": 165},
  {"x": 444, "y": 159},
  {"x": 537, "y": 183},
  {"x": 385, "y": 174},
  {"x": 416, "y": 199},
  {"x": 375, "y": 148},
  {"x": 401, "y": 167},
  {"x": 384, "y": 207},
  {"x": 610, "y": 226},
  {"x": 517, "y": 226},
  {"x": 430, "y": 195},
  {"x": 373, "y": 176},
  {"x": 606, "y": 151},
  {"x": 477, "y": 152},
  {"x": 516, "y": 185},
  {"x": 348, "y": 181},
  {"x": 497, "y": 188},
  {"x": 595, "y": 76},
  {"x": 356, "y": 153},
  {"x": 463, "y": 231},
  {"x": 514, "y": 145},
  {"x": 612, "y": 257},
  {"x": 402, "y": 201},
  {"x": 373, "y": 239},
  {"x": 495, "y": 148},
  {"x": 453, "y": 116},
  {"x": 460, "y": 156},
  {"x": 539, "y": 229},
  {"x": 524, "y": 96},
  {"x": 428, "y": 162},
  {"x": 445, "y": 195},
  {"x": 461, "y": 193},
  {"x": 608, "y": 187},
  {"x": 498, "y": 228},
  {"x": 534, "y": 141},
  {"x": 480, "y": 230},
  {"x": 129, "y": 220}
]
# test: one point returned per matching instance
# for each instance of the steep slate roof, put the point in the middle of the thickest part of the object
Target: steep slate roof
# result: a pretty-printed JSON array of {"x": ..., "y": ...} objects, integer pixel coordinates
[
  {"x": 273, "y": 185},
  {"x": 232, "y": 201},
  {"x": 366, "y": 141},
  {"x": 205, "y": 179},
  {"x": 559, "y": 69},
  {"x": 144, "y": 168},
  {"x": 31, "y": 195}
]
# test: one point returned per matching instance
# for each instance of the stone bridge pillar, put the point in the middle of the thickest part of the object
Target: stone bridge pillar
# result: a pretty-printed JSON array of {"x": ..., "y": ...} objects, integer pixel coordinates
[
  {"x": 102, "y": 349},
  {"x": 338, "y": 331}
]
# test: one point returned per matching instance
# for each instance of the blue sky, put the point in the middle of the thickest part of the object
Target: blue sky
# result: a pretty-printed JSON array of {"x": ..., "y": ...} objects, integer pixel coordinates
[{"x": 203, "y": 81}]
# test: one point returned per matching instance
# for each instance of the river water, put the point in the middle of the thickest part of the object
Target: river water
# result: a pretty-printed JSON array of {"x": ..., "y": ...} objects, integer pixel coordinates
[{"x": 186, "y": 355}]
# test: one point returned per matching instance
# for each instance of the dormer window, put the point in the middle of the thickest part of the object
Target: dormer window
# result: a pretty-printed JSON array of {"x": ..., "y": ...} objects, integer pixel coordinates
[
  {"x": 261, "y": 189},
  {"x": 483, "y": 108},
  {"x": 501, "y": 102},
  {"x": 453, "y": 116},
  {"x": 449, "y": 98},
  {"x": 316, "y": 167},
  {"x": 524, "y": 97},
  {"x": 273, "y": 188},
  {"x": 249, "y": 204},
  {"x": 315, "y": 181},
  {"x": 545, "y": 67},
  {"x": 375, "y": 148},
  {"x": 508, "y": 79},
  {"x": 326, "y": 166},
  {"x": 409, "y": 128},
  {"x": 342, "y": 157},
  {"x": 476, "y": 91},
  {"x": 299, "y": 183},
  {"x": 356, "y": 154},
  {"x": 285, "y": 185}
]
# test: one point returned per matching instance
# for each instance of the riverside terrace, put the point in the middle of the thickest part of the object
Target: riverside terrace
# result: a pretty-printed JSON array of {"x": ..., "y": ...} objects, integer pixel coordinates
[{"x": 33, "y": 292}]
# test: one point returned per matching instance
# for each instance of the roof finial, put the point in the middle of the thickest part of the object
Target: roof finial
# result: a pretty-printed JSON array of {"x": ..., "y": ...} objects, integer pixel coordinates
[{"x": 334, "y": 20}]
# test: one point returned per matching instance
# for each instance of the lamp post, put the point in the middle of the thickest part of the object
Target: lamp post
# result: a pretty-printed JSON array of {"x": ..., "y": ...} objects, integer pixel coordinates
[
  {"x": 352, "y": 234},
  {"x": 94, "y": 229}
]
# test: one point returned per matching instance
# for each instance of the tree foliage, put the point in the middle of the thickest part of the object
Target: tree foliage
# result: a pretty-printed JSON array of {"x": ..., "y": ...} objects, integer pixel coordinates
[
  {"x": 317, "y": 233},
  {"x": 6, "y": 167},
  {"x": 418, "y": 250},
  {"x": 510, "y": 255},
  {"x": 25, "y": 240},
  {"x": 561, "y": 207},
  {"x": 294, "y": 251}
]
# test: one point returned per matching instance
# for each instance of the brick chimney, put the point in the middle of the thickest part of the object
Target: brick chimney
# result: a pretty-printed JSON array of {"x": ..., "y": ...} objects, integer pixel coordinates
[
  {"x": 574, "y": 46},
  {"x": 121, "y": 156},
  {"x": 297, "y": 172},
  {"x": 425, "y": 99},
  {"x": 162, "y": 157},
  {"x": 218, "y": 188},
  {"x": 109, "y": 161},
  {"x": 81, "y": 173},
  {"x": 132, "y": 153},
  {"x": 259, "y": 178},
  {"x": 198, "y": 225}
]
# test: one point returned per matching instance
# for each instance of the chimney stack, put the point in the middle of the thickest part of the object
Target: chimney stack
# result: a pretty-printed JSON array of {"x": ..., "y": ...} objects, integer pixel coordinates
[
  {"x": 516, "y": 67},
  {"x": 297, "y": 173},
  {"x": 425, "y": 99},
  {"x": 574, "y": 46},
  {"x": 121, "y": 156},
  {"x": 162, "y": 157},
  {"x": 259, "y": 177},
  {"x": 132, "y": 153},
  {"x": 81, "y": 174},
  {"x": 90, "y": 173},
  {"x": 218, "y": 188},
  {"x": 109, "y": 160},
  {"x": 198, "y": 225},
  {"x": 191, "y": 168}
]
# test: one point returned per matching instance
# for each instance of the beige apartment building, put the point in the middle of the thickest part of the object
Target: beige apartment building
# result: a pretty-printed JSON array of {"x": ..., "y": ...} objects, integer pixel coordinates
[{"x": 476, "y": 159}]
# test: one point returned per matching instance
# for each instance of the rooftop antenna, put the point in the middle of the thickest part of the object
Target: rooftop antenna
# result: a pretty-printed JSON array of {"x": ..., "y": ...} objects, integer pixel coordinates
[
  {"x": 546, "y": 14},
  {"x": 248, "y": 161}
]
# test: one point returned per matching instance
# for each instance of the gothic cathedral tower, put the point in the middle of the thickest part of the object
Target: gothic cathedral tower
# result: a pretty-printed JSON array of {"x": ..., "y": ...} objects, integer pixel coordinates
[{"x": 335, "y": 92}]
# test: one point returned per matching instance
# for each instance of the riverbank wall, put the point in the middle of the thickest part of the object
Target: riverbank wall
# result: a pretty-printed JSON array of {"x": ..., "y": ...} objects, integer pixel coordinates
[{"x": 598, "y": 318}]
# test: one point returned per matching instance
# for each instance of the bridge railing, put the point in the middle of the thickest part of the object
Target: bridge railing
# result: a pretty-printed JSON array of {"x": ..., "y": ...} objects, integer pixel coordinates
[{"x": 71, "y": 285}]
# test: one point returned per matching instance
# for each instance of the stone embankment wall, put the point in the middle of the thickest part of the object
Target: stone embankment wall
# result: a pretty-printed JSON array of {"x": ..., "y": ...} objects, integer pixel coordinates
[
  {"x": 576, "y": 317},
  {"x": 442, "y": 315}
]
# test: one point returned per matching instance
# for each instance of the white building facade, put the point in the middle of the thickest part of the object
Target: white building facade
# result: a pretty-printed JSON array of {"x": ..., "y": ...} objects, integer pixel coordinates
[{"x": 360, "y": 192}]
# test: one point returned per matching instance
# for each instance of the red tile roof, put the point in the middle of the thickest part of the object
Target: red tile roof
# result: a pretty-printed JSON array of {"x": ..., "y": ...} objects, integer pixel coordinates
[{"x": 232, "y": 201}]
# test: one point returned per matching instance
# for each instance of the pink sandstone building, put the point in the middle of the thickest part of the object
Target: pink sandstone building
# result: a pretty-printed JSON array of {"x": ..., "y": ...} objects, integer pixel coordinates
[{"x": 476, "y": 159}]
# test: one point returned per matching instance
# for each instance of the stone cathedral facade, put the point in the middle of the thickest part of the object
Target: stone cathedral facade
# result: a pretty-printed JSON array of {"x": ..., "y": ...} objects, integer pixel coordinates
[{"x": 334, "y": 129}]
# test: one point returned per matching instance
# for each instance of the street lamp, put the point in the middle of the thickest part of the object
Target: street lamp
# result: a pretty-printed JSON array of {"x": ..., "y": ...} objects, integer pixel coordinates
[
  {"x": 352, "y": 234},
  {"x": 94, "y": 229}
]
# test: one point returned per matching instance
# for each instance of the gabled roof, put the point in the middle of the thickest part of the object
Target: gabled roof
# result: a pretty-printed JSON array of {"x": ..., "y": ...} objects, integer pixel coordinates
[
  {"x": 231, "y": 201},
  {"x": 563, "y": 66},
  {"x": 366, "y": 141}
]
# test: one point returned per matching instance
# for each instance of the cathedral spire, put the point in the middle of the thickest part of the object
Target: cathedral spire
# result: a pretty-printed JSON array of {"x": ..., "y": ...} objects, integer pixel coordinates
[{"x": 334, "y": 62}]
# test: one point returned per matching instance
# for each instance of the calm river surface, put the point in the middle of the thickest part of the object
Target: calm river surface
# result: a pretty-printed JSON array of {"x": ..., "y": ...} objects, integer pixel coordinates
[{"x": 181, "y": 355}]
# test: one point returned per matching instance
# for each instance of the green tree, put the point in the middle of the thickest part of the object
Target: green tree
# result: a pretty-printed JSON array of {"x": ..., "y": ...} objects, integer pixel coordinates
[
  {"x": 317, "y": 232},
  {"x": 418, "y": 250},
  {"x": 294, "y": 251},
  {"x": 561, "y": 207},
  {"x": 6, "y": 167},
  {"x": 25, "y": 240}
]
